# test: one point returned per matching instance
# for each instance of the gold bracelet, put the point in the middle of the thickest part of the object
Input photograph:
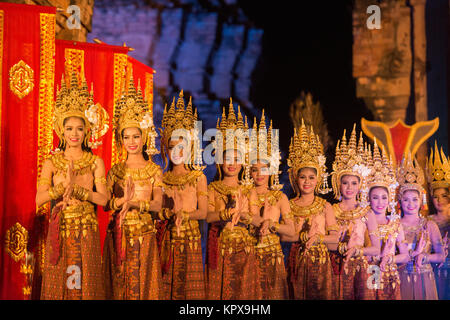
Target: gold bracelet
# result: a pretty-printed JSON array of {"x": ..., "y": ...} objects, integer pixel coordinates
[
  {"x": 224, "y": 215},
  {"x": 115, "y": 207},
  {"x": 56, "y": 192},
  {"x": 303, "y": 236},
  {"x": 248, "y": 220},
  {"x": 334, "y": 227},
  {"x": 141, "y": 206},
  {"x": 275, "y": 226},
  {"x": 80, "y": 193}
]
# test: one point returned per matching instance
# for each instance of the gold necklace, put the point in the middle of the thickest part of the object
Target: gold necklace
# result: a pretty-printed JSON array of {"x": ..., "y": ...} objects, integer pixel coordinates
[
  {"x": 223, "y": 189},
  {"x": 384, "y": 230},
  {"x": 81, "y": 166},
  {"x": 306, "y": 211},
  {"x": 414, "y": 229},
  {"x": 350, "y": 214},
  {"x": 172, "y": 180},
  {"x": 121, "y": 171}
]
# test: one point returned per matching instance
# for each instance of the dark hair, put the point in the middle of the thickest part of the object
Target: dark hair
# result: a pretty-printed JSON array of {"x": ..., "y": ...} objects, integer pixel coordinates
[
  {"x": 144, "y": 147},
  {"x": 84, "y": 146},
  {"x": 432, "y": 209}
]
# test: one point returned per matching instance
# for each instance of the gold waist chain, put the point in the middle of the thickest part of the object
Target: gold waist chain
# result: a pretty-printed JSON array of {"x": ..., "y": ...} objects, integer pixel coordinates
[
  {"x": 236, "y": 240},
  {"x": 317, "y": 253},
  {"x": 135, "y": 225},
  {"x": 78, "y": 219},
  {"x": 269, "y": 245}
]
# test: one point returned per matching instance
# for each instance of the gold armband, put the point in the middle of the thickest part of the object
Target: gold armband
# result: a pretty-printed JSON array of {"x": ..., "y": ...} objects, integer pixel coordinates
[
  {"x": 56, "y": 192},
  {"x": 44, "y": 182},
  {"x": 254, "y": 203},
  {"x": 274, "y": 227},
  {"x": 288, "y": 215},
  {"x": 101, "y": 180},
  {"x": 202, "y": 193},
  {"x": 334, "y": 227},
  {"x": 80, "y": 193}
]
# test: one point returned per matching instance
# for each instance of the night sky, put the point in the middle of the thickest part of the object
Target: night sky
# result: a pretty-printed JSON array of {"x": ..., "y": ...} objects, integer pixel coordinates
[{"x": 306, "y": 47}]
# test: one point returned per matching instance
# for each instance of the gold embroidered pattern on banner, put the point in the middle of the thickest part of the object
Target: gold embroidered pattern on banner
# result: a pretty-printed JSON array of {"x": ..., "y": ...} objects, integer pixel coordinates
[
  {"x": 120, "y": 63},
  {"x": 74, "y": 64},
  {"x": 45, "y": 113},
  {"x": 21, "y": 79},
  {"x": 16, "y": 240},
  {"x": 149, "y": 90}
]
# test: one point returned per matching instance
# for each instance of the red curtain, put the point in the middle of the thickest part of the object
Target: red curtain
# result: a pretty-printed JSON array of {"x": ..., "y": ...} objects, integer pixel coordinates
[{"x": 26, "y": 48}]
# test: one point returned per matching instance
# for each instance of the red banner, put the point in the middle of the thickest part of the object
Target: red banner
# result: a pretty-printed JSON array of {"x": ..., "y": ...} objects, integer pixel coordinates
[{"x": 27, "y": 36}]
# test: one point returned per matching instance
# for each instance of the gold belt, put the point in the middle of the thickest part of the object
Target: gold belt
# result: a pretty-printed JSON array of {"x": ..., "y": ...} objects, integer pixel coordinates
[
  {"x": 269, "y": 245},
  {"x": 78, "y": 218},
  {"x": 137, "y": 225},
  {"x": 318, "y": 252},
  {"x": 189, "y": 230},
  {"x": 236, "y": 240}
]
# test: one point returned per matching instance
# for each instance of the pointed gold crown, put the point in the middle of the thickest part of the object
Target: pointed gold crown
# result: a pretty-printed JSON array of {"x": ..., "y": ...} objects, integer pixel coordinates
[
  {"x": 264, "y": 148},
  {"x": 180, "y": 117},
  {"x": 131, "y": 111},
  {"x": 410, "y": 176},
  {"x": 382, "y": 174},
  {"x": 438, "y": 169},
  {"x": 76, "y": 101},
  {"x": 232, "y": 133},
  {"x": 349, "y": 160},
  {"x": 306, "y": 151}
]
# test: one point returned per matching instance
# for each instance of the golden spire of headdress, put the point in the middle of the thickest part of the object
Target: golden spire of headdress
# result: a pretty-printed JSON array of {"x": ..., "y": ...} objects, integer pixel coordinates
[
  {"x": 306, "y": 151},
  {"x": 131, "y": 111},
  {"x": 382, "y": 174},
  {"x": 438, "y": 169},
  {"x": 410, "y": 176},
  {"x": 179, "y": 117},
  {"x": 76, "y": 101},
  {"x": 349, "y": 160}
]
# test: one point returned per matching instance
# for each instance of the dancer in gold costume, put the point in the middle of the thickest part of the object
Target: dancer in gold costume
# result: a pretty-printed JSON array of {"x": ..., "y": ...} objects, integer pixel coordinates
[
  {"x": 131, "y": 263},
  {"x": 417, "y": 280},
  {"x": 269, "y": 203},
  {"x": 355, "y": 219},
  {"x": 74, "y": 180},
  {"x": 185, "y": 202},
  {"x": 231, "y": 260},
  {"x": 380, "y": 194},
  {"x": 438, "y": 174},
  {"x": 310, "y": 272}
]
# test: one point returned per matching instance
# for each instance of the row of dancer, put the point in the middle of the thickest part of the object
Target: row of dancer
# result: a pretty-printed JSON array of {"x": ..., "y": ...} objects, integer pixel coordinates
[{"x": 353, "y": 249}]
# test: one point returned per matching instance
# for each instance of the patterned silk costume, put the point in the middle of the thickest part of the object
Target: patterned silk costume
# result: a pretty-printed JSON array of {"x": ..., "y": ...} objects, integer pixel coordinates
[
  {"x": 231, "y": 260},
  {"x": 72, "y": 266},
  {"x": 131, "y": 264},
  {"x": 438, "y": 174},
  {"x": 181, "y": 252},
  {"x": 272, "y": 276},
  {"x": 382, "y": 174},
  {"x": 351, "y": 284},
  {"x": 310, "y": 273}
]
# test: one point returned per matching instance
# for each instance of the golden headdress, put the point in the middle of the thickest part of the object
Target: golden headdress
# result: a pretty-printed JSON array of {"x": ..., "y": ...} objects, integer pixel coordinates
[
  {"x": 349, "y": 160},
  {"x": 306, "y": 151},
  {"x": 76, "y": 101},
  {"x": 182, "y": 122},
  {"x": 232, "y": 132},
  {"x": 382, "y": 174},
  {"x": 438, "y": 169},
  {"x": 264, "y": 146},
  {"x": 131, "y": 111},
  {"x": 410, "y": 177}
]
